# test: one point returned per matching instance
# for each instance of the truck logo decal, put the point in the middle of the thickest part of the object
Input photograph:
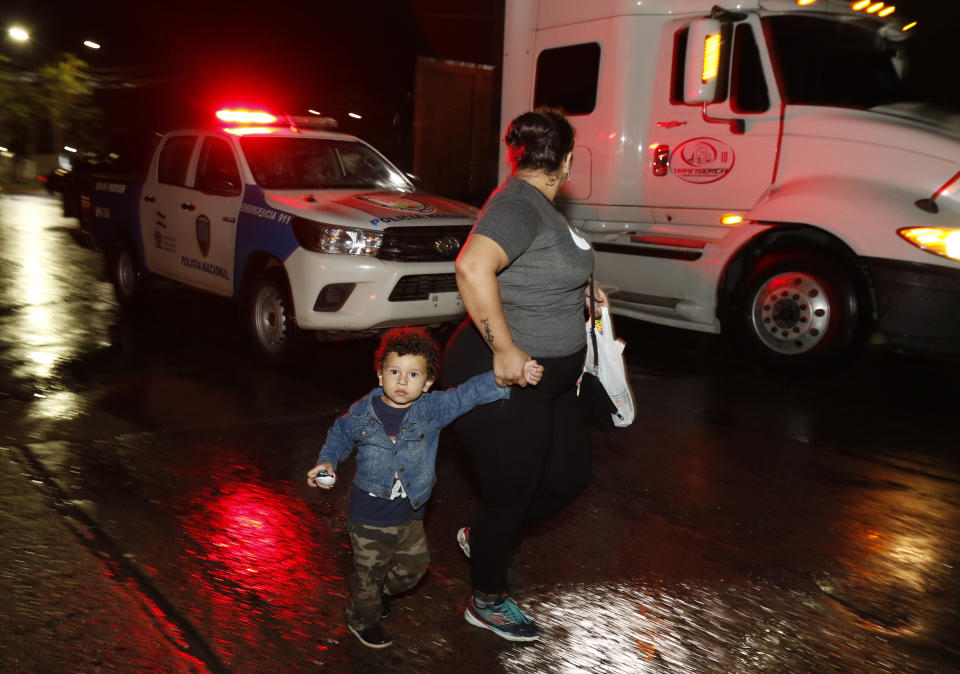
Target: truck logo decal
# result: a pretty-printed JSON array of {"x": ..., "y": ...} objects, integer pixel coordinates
[
  {"x": 447, "y": 245},
  {"x": 112, "y": 188},
  {"x": 396, "y": 203},
  {"x": 205, "y": 267},
  {"x": 163, "y": 241},
  {"x": 701, "y": 160},
  {"x": 266, "y": 213},
  {"x": 203, "y": 234}
]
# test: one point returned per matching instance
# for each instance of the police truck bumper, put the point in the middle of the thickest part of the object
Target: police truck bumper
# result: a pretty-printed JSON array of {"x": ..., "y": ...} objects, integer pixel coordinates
[{"x": 347, "y": 292}]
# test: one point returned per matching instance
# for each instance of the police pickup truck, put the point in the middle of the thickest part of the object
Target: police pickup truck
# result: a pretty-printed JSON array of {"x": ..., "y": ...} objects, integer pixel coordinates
[{"x": 309, "y": 230}]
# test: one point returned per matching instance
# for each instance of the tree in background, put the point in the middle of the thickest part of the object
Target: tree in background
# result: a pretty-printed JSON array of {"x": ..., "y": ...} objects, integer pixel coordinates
[
  {"x": 17, "y": 105},
  {"x": 41, "y": 110},
  {"x": 66, "y": 91}
]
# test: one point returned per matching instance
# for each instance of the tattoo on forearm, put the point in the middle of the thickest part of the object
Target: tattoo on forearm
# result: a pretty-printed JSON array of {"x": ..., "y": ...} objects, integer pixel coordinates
[{"x": 487, "y": 334}]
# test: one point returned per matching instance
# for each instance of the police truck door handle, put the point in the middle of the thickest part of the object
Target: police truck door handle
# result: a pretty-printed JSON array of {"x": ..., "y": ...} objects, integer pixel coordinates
[
  {"x": 188, "y": 207},
  {"x": 149, "y": 199},
  {"x": 661, "y": 160}
]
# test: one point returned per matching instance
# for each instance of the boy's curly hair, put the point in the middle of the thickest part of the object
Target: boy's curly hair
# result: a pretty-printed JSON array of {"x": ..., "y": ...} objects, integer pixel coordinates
[{"x": 409, "y": 342}]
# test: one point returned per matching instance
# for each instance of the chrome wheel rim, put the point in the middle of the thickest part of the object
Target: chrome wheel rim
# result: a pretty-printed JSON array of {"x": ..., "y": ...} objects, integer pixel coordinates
[{"x": 791, "y": 312}]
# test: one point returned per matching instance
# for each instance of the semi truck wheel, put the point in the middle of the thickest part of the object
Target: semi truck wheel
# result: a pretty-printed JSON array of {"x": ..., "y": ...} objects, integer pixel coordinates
[
  {"x": 799, "y": 309},
  {"x": 273, "y": 327},
  {"x": 129, "y": 280}
]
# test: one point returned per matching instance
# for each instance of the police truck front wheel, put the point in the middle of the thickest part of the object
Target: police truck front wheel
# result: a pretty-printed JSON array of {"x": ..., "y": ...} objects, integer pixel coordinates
[
  {"x": 273, "y": 327},
  {"x": 129, "y": 280},
  {"x": 799, "y": 310}
]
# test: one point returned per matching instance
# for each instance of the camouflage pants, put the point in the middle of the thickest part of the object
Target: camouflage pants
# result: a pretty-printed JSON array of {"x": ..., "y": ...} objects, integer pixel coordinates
[{"x": 386, "y": 560}]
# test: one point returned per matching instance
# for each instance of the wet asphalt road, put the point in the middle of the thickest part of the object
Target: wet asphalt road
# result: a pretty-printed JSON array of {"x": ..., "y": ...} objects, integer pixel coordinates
[{"x": 154, "y": 514}]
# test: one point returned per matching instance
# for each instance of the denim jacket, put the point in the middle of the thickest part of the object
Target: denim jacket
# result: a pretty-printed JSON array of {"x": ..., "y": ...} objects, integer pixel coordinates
[{"x": 413, "y": 456}]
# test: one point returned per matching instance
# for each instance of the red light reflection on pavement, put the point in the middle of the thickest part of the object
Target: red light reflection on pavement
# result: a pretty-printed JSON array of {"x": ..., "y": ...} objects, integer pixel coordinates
[{"x": 269, "y": 575}]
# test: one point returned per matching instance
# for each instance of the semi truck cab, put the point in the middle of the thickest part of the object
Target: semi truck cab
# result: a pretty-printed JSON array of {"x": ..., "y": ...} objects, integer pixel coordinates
[{"x": 757, "y": 169}]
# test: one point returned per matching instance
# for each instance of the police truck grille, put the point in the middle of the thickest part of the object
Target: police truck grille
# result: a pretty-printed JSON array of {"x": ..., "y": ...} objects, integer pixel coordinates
[
  {"x": 420, "y": 286},
  {"x": 422, "y": 244}
]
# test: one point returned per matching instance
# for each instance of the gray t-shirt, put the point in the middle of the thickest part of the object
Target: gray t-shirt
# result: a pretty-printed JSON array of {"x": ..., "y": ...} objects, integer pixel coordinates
[{"x": 542, "y": 286}]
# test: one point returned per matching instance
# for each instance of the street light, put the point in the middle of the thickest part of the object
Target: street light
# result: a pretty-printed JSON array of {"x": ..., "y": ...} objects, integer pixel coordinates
[
  {"x": 18, "y": 34},
  {"x": 91, "y": 44}
]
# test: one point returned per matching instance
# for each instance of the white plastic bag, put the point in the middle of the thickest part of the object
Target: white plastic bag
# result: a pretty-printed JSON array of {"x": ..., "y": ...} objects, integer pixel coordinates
[{"x": 611, "y": 369}]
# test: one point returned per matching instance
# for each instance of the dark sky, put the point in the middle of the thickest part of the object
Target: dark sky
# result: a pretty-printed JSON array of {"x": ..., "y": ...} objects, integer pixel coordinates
[
  {"x": 333, "y": 56},
  {"x": 280, "y": 53}
]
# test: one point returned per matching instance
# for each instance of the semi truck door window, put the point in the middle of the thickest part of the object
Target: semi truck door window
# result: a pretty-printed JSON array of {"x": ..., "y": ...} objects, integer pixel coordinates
[
  {"x": 217, "y": 171},
  {"x": 748, "y": 86},
  {"x": 567, "y": 78},
  {"x": 679, "y": 49},
  {"x": 174, "y": 160}
]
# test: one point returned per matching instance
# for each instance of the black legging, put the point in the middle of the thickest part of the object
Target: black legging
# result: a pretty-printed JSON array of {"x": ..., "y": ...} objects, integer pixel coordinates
[{"x": 532, "y": 452}]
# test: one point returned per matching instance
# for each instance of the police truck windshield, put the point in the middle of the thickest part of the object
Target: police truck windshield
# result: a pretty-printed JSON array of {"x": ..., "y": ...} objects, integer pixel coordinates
[{"x": 304, "y": 163}]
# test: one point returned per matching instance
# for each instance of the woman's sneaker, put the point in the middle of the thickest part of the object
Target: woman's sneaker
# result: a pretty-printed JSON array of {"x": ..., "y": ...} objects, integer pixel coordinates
[
  {"x": 463, "y": 538},
  {"x": 372, "y": 637},
  {"x": 505, "y": 619}
]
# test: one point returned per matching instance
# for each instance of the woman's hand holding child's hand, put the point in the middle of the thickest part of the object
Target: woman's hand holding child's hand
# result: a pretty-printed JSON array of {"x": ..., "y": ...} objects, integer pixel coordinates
[{"x": 532, "y": 372}]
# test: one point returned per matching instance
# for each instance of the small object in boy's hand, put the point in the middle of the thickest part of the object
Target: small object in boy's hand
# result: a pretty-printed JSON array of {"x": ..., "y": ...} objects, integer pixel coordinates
[{"x": 325, "y": 479}]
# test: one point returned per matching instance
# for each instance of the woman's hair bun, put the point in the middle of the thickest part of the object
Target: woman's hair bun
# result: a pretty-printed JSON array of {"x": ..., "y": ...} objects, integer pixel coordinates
[{"x": 539, "y": 139}]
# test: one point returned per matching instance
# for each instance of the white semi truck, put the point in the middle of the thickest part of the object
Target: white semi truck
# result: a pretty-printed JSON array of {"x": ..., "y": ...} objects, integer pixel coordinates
[{"x": 754, "y": 168}]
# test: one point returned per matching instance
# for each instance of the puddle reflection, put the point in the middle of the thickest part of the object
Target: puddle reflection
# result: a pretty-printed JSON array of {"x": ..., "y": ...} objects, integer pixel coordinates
[
  {"x": 263, "y": 582},
  {"x": 41, "y": 286},
  {"x": 688, "y": 629}
]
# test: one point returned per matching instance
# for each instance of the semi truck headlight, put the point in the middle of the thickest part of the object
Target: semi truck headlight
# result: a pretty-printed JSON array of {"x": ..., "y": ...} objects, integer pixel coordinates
[
  {"x": 324, "y": 238},
  {"x": 943, "y": 241}
]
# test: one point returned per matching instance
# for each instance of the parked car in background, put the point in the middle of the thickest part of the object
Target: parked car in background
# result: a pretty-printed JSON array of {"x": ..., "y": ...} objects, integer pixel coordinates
[{"x": 56, "y": 180}]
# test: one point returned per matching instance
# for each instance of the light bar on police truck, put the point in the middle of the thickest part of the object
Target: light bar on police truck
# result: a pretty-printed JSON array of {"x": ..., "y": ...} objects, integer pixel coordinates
[
  {"x": 245, "y": 117},
  {"x": 247, "y": 130}
]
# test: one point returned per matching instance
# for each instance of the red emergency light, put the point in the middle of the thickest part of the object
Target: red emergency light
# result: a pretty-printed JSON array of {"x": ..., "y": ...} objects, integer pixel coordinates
[
  {"x": 245, "y": 116},
  {"x": 245, "y": 130},
  {"x": 243, "y": 122}
]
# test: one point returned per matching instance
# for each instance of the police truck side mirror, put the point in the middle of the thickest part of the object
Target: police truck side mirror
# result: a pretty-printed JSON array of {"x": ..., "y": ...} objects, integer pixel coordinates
[{"x": 703, "y": 62}]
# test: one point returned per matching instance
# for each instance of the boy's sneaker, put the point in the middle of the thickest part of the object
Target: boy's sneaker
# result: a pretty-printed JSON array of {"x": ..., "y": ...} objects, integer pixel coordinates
[
  {"x": 463, "y": 538},
  {"x": 505, "y": 619},
  {"x": 372, "y": 637}
]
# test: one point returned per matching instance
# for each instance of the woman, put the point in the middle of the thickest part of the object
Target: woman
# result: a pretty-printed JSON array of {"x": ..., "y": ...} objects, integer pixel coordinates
[{"x": 522, "y": 275}]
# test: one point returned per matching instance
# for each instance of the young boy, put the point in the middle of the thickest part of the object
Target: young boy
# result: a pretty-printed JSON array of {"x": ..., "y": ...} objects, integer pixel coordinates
[{"x": 396, "y": 428}]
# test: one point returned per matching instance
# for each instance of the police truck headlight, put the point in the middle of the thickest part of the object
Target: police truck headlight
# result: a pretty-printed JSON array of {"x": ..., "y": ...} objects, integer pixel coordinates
[
  {"x": 943, "y": 241},
  {"x": 324, "y": 238}
]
